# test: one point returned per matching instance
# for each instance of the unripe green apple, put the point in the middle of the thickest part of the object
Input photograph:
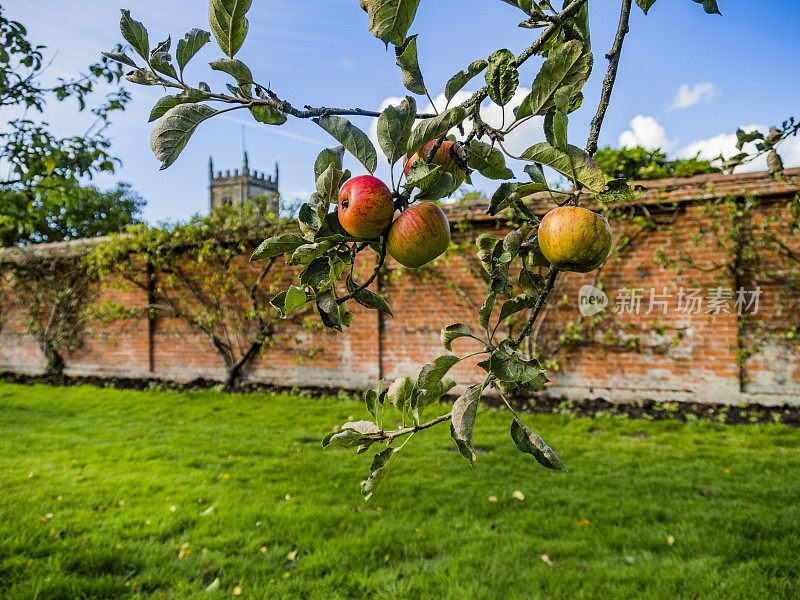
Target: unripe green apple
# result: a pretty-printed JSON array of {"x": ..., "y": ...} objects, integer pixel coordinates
[
  {"x": 366, "y": 207},
  {"x": 442, "y": 156},
  {"x": 418, "y": 235},
  {"x": 574, "y": 239}
]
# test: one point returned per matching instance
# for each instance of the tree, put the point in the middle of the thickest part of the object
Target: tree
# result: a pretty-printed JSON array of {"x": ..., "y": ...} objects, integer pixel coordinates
[
  {"x": 56, "y": 210},
  {"x": 33, "y": 156},
  {"x": 51, "y": 290},
  {"x": 194, "y": 272},
  {"x": 328, "y": 252},
  {"x": 639, "y": 163}
]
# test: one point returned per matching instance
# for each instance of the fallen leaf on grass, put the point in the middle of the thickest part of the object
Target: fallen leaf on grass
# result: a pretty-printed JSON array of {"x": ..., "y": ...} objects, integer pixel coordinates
[
  {"x": 237, "y": 591},
  {"x": 292, "y": 555},
  {"x": 546, "y": 560},
  {"x": 582, "y": 522},
  {"x": 492, "y": 498},
  {"x": 213, "y": 585},
  {"x": 208, "y": 511},
  {"x": 518, "y": 495},
  {"x": 670, "y": 540}
]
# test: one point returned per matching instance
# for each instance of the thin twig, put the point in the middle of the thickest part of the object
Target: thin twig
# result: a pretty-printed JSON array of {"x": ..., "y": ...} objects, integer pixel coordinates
[
  {"x": 611, "y": 75},
  {"x": 365, "y": 285},
  {"x": 551, "y": 280}
]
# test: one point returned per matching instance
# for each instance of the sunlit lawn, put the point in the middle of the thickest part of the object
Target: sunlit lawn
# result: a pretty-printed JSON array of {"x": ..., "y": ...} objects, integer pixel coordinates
[{"x": 110, "y": 494}]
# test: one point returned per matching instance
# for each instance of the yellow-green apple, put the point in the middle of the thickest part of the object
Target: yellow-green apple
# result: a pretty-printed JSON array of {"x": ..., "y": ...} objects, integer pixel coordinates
[
  {"x": 574, "y": 239},
  {"x": 442, "y": 156},
  {"x": 366, "y": 207},
  {"x": 418, "y": 235}
]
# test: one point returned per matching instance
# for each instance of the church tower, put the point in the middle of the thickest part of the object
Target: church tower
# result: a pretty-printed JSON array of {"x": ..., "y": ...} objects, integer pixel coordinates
[{"x": 235, "y": 189}]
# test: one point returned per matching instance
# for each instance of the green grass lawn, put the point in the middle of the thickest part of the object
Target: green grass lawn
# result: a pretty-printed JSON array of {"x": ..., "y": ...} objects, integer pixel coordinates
[{"x": 112, "y": 494}]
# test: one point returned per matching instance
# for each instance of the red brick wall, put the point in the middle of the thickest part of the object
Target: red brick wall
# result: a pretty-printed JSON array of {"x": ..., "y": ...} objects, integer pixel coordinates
[{"x": 694, "y": 359}]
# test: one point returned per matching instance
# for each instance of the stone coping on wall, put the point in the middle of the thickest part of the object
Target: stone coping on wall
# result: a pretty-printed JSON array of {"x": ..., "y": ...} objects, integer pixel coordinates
[
  {"x": 657, "y": 192},
  {"x": 664, "y": 192}
]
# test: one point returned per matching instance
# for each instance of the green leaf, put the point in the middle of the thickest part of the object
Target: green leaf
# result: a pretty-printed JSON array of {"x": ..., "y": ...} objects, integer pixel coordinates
[
  {"x": 510, "y": 192},
  {"x": 174, "y": 129},
  {"x": 439, "y": 187},
  {"x": 462, "y": 424},
  {"x": 190, "y": 45},
  {"x": 329, "y": 310},
  {"x": 432, "y": 395},
  {"x": 488, "y": 161},
  {"x": 236, "y": 69},
  {"x": 378, "y": 470},
  {"x": 329, "y": 183},
  {"x": 228, "y": 23},
  {"x": 329, "y": 156},
  {"x": 568, "y": 66},
  {"x": 710, "y": 6},
  {"x": 318, "y": 275},
  {"x": 120, "y": 57},
  {"x": 453, "y": 332},
  {"x": 289, "y": 300},
  {"x": 277, "y": 245},
  {"x": 555, "y": 127},
  {"x": 369, "y": 299},
  {"x": 307, "y": 252},
  {"x": 394, "y": 128},
  {"x": 511, "y": 366},
  {"x": 502, "y": 77},
  {"x": 530, "y": 443},
  {"x": 267, "y": 114},
  {"x": 352, "y": 138},
  {"x": 645, "y": 4},
  {"x": 432, "y": 373},
  {"x": 409, "y": 65},
  {"x": 486, "y": 310},
  {"x": 135, "y": 34},
  {"x": 574, "y": 163},
  {"x": 514, "y": 239},
  {"x": 142, "y": 77},
  {"x": 435, "y": 127},
  {"x": 535, "y": 173},
  {"x": 421, "y": 174},
  {"x": 400, "y": 392},
  {"x": 352, "y": 434},
  {"x": 513, "y": 305},
  {"x": 160, "y": 61},
  {"x": 389, "y": 20},
  {"x": 460, "y": 79},
  {"x": 186, "y": 97}
]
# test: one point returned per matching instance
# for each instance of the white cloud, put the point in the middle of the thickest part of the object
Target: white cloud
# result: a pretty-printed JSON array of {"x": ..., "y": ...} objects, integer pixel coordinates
[
  {"x": 645, "y": 131},
  {"x": 725, "y": 144},
  {"x": 689, "y": 96}
]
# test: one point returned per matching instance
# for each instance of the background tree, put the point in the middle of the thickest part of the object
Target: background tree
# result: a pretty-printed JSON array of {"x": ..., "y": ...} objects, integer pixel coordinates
[
  {"x": 30, "y": 152},
  {"x": 196, "y": 272},
  {"x": 638, "y": 163},
  {"x": 56, "y": 210}
]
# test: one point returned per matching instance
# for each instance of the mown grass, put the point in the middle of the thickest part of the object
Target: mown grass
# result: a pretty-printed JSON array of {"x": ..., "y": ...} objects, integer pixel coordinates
[{"x": 111, "y": 494}]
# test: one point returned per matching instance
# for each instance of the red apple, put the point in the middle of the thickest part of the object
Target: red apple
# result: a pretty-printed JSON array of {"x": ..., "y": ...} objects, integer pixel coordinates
[
  {"x": 366, "y": 207},
  {"x": 418, "y": 235},
  {"x": 574, "y": 239},
  {"x": 442, "y": 156}
]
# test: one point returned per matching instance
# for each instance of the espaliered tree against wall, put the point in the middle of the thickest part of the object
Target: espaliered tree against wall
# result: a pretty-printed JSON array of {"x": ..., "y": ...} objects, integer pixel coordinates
[
  {"x": 196, "y": 273},
  {"x": 329, "y": 241},
  {"x": 51, "y": 291}
]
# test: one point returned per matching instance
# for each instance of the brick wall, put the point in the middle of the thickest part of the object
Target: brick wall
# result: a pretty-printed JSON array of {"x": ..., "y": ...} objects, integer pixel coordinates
[{"x": 676, "y": 355}]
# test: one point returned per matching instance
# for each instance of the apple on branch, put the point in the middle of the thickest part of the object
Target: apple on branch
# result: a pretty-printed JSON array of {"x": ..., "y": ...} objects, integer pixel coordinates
[
  {"x": 418, "y": 235},
  {"x": 575, "y": 239},
  {"x": 366, "y": 207}
]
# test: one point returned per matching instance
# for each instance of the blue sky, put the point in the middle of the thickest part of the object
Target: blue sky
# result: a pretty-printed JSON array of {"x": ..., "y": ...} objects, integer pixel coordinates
[{"x": 687, "y": 80}]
